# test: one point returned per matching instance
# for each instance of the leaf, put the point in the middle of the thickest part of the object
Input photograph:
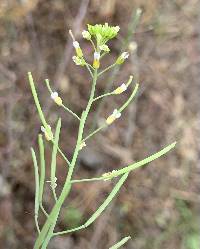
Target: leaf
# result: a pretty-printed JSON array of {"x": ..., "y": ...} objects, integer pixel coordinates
[{"x": 120, "y": 243}]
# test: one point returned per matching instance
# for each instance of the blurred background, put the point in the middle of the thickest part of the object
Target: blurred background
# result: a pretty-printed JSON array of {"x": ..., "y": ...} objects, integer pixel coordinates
[{"x": 158, "y": 205}]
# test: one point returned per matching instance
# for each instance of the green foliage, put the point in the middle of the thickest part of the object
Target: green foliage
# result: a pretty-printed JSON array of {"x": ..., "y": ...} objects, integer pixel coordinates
[
  {"x": 102, "y": 34},
  {"x": 188, "y": 224},
  {"x": 120, "y": 243},
  {"x": 72, "y": 216}
]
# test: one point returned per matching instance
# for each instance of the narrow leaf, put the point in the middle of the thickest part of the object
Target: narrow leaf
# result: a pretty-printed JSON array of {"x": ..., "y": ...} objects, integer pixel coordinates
[
  {"x": 37, "y": 103},
  {"x": 54, "y": 154},
  {"x": 36, "y": 187},
  {"x": 42, "y": 167},
  {"x": 107, "y": 200},
  {"x": 140, "y": 163},
  {"x": 101, "y": 208},
  {"x": 120, "y": 243},
  {"x": 129, "y": 99}
]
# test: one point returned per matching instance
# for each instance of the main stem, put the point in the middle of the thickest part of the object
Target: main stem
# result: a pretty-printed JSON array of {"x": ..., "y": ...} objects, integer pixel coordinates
[{"x": 47, "y": 230}]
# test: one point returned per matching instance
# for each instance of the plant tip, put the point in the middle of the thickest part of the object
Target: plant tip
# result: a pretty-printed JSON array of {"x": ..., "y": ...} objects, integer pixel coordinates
[{"x": 139, "y": 11}]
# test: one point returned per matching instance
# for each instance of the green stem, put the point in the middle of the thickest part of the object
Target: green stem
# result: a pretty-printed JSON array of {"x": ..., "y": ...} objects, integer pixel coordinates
[
  {"x": 62, "y": 154},
  {"x": 120, "y": 110},
  {"x": 131, "y": 30},
  {"x": 88, "y": 180},
  {"x": 42, "y": 168},
  {"x": 93, "y": 44},
  {"x": 37, "y": 103},
  {"x": 94, "y": 132},
  {"x": 66, "y": 108},
  {"x": 129, "y": 99},
  {"x": 48, "y": 86},
  {"x": 43, "y": 210},
  {"x": 51, "y": 221},
  {"x": 106, "y": 69},
  {"x": 70, "y": 111},
  {"x": 130, "y": 167},
  {"x": 101, "y": 208},
  {"x": 103, "y": 95},
  {"x": 88, "y": 68}
]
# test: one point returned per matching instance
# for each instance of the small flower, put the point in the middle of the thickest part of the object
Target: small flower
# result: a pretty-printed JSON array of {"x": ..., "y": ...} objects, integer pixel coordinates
[
  {"x": 109, "y": 175},
  {"x": 86, "y": 35},
  {"x": 48, "y": 133},
  {"x": 56, "y": 98},
  {"x": 53, "y": 183},
  {"x": 96, "y": 55},
  {"x": 78, "y": 61},
  {"x": 116, "y": 114},
  {"x": 120, "y": 89},
  {"x": 96, "y": 62},
  {"x": 104, "y": 48},
  {"x": 122, "y": 58},
  {"x": 132, "y": 46},
  {"x": 76, "y": 44},
  {"x": 82, "y": 145},
  {"x": 107, "y": 32},
  {"x": 78, "y": 49}
]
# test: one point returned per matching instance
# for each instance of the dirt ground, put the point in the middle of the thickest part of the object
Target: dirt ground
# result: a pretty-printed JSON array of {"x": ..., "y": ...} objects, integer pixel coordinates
[{"x": 158, "y": 205}]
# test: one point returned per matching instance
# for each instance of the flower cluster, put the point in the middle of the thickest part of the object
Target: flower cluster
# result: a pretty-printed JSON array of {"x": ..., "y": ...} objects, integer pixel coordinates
[
  {"x": 100, "y": 34},
  {"x": 103, "y": 33}
]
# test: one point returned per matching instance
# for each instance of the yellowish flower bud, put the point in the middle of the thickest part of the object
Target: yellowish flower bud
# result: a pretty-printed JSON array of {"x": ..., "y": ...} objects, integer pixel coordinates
[
  {"x": 120, "y": 89},
  {"x": 48, "y": 133},
  {"x": 116, "y": 114},
  {"x": 58, "y": 101},
  {"x": 78, "y": 49},
  {"x": 122, "y": 58},
  {"x": 56, "y": 98},
  {"x": 96, "y": 62}
]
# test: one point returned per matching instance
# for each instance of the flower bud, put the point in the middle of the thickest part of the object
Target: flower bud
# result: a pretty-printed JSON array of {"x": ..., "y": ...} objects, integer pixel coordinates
[
  {"x": 116, "y": 114},
  {"x": 122, "y": 58},
  {"x": 109, "y": 175},
  {"x": 132, "y": 46},
  {"x": 78, "y": 61},
  {"x": 56, "y": 98},
  {"x": 104, "y": 48},
  {"x": 86, "y": 35},
  {"x": 78, "y": 49},
  {"x": 120, "y": 89},
  {"x": 48, "y": 133},
  {"x": 96, "y": 62}
]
